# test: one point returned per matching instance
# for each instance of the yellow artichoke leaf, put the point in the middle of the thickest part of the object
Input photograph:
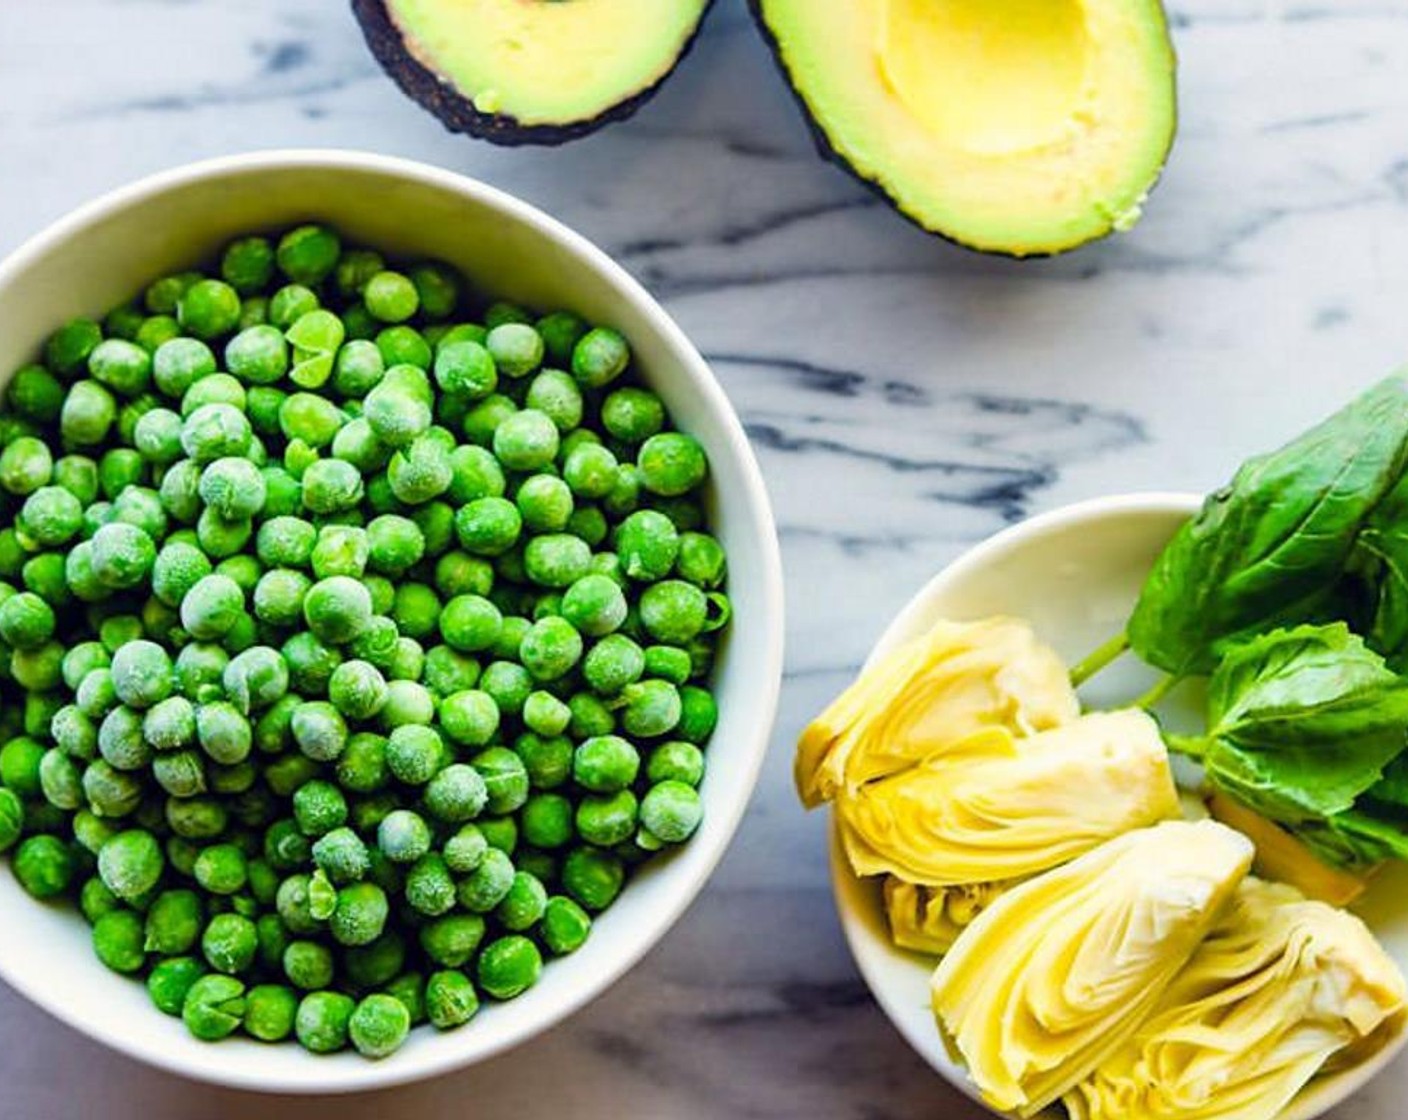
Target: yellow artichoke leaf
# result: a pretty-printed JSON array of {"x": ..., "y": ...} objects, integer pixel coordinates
[
  {"x": 1058, "y": 973},
  {"x": 933, "y": 693},
  {"x": 929, "y": 919},
  {"x": 1281, "y": 986},
  {"x": 1010, "y": 815}
]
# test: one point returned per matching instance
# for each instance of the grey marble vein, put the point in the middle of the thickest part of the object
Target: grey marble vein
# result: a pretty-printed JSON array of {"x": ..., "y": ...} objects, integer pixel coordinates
[{"x": 930, "y": 394}]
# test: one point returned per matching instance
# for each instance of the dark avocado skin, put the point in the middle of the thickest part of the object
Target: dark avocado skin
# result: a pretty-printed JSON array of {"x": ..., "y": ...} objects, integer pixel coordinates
[
  {"x": 458, "y": 114},
  {"x": 833, "y": 155}
]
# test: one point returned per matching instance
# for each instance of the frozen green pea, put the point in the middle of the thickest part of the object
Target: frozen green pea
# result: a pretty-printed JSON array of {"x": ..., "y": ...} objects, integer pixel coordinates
[
  {"x": 526, "y": 441},
  {"x": 485, "y": 887},
  {"x": 214, "y": 431},
  {"x": 319, "y": 730},
  {"x": 308, "y": 254},
  {"x": 60, "y": 780},
  {"x": 255, "y": 678},
  {"x": 593, "y": 877},
  {"x": 171, "y": 980},
  {"x": 524, "y": 905},
  {"x": 26, "y": 464},
  {"x": 450, "y": 999},
  {"x": 359, "y": 915},
  {"x": 379, "y": 1025},
  {"x": 208, "y": 309},
  {"x": 270, "y": 1012},
  {"x": 214, "y": 1007},
  {"x": 508, "y": 967},
  {"x": 234, "y": 488},
  {"x": 131, "y": 863}
]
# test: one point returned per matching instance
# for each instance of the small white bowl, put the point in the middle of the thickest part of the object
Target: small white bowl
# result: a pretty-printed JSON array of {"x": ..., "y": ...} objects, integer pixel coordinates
[
  {"x": 1075, "y": 574},
  {"x": 107, "y": 251}
]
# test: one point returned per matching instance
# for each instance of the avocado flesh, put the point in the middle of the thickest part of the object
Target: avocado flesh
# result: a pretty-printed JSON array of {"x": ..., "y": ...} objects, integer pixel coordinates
[
  {"x": 544, "y": 63},
  {"x": 1015, "y": 126}
]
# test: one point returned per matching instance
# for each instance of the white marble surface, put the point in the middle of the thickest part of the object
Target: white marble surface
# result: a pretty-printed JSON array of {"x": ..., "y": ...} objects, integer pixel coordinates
[{"x": 906, "y": 398}]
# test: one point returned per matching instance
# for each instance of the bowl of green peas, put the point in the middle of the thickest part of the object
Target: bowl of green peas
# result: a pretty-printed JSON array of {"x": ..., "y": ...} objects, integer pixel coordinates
[{"x": 390, "y": 621}]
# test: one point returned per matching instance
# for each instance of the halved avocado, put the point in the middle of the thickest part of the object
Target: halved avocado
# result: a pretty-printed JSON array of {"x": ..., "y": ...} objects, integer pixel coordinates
[
  {"x": 1024, "y": 127},
  {"x": 529, "y": 71}
]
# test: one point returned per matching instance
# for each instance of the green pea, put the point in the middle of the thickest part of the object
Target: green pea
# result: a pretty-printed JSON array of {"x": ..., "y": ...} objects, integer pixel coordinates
[
  {"x": 170, "y": 982},
  {"x": 270, "y": 1012},
  {"x": 308, "y": 254},
  {"x": 26, "y": 621},
  {"x": 359, "y": 915},
  {"x": 517, "y": 349},
  {"x": 450, "y": 999},
  {"x": 173, "y": 923},
  {"x": 234, "y": 488},
  {"x": 379, "y": 1025},
  {"x": 547, "y": 821},
  {"x": 526, "y": 441},
  {"x": 391, "y": 297},
  {"x": 550, "y": 649},
  {"x": 11, "y": 819},
  {"x": 122, "y": 366},
  {"x": 44, "y": 866},
  {"x": 342, "y": 856},
  {"x": 485, "y": 887},
  {"x": 130, "y": 864},
  {"x": 308, "y": 965},
  {"x": 321, "y": 1022},
  {"x": 221, "y": 869},
  {"x": 466, "y": 369},
  {"x": 508, "y": 967},
  {"x": 67, "y": 349},
  {"x": 26, "y": 465},
  {"x": 565, "y": 925},
  {"x": 699, "y": 714},
  {"x": 337, "y": 609},
  {"x": 524, "y": 905},
  {"x": 247, "y": 264},
  {"x": 414, "y": 754},
  {"x": 361, "y": 768},
  {"x": 214, "y": 1007}
]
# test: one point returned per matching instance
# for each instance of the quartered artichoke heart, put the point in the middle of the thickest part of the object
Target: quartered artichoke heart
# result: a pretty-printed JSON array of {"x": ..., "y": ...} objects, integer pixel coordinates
[
  {"x": 1057, "y": 974},
  {"x": 996, "y": 808},
  {"x": 929, "y": 919},
  {"x": 930, "y": 694},
  {"x": 1280, "y": 986}
]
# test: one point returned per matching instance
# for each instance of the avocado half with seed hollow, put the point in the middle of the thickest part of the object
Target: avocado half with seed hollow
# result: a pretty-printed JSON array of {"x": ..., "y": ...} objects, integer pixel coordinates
[
  {"x": 530, "y": 71},
  {"x": 1025, "y": 127}
]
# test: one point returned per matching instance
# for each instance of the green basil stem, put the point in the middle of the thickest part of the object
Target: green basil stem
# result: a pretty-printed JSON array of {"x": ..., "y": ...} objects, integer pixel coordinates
[
  {"x": 1099, "y": 659},
  {"x": 1161, "y": 688},
  {"x": 1191, "y": 746}
]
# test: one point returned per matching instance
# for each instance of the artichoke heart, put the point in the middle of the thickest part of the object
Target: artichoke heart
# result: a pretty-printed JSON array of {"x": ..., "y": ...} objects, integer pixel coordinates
[
  {"x": 1057, "y": 974},
  {"x": 1014, "y": 808},
  {"x": 1280, "y": 986},
  {"x": 928, "y": 695},
  {"x": 929, "y": 919}
]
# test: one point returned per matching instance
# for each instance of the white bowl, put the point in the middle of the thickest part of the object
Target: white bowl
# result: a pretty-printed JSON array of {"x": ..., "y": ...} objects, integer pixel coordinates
[
  {"x": 107, "y": 251},
  {"x": 1074, "y": 573}
]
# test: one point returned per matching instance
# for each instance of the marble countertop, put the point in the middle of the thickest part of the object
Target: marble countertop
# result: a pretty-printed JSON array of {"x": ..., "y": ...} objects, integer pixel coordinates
[{"x": 930, "y": 394}]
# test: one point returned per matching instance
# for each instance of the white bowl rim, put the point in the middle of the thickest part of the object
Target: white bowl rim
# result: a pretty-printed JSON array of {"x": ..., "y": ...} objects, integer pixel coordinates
[
  {"x": 766, "y": 629},
  {"x": 860, "y": 938},
  {"x": 1091, "y": 509}
]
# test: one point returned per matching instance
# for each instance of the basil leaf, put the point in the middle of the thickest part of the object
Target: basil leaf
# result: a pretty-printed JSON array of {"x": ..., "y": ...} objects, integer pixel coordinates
[
  {"x": 1379, "y": 563},
  {"x": 1301, "y": 722},
  {"x": 1271, "y": 548},
  {"x": 1391, "y": 790},
  {"x": 1357, "y": 838}
]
